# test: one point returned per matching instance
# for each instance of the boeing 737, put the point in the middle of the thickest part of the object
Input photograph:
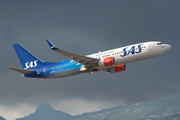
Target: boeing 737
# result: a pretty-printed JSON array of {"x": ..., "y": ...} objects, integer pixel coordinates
[{"x": 112, "y": 61}]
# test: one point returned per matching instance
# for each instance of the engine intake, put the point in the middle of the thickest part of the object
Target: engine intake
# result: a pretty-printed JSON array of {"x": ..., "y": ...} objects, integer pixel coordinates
[
  {"x": 118, "y": 68},
  {"x": 109, "y": 61}
]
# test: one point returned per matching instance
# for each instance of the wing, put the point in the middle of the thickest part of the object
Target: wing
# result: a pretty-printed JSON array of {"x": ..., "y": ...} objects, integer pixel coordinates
[
  {"x": 20, "y": 70},
  {"x": 75, "y": 57}
]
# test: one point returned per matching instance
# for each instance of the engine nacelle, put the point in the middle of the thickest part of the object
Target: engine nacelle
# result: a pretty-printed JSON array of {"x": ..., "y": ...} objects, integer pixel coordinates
[
  {"x": 109, "y": 61},
  {"x": 118, "y": 68}
]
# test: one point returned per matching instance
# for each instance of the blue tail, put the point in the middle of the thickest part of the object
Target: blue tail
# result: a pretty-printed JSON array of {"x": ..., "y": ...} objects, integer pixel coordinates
[{"x": 27, "y": 60}]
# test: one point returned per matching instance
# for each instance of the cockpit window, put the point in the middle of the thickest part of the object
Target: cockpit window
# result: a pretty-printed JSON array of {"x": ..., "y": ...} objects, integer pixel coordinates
[{"x": 159, "y": 43}]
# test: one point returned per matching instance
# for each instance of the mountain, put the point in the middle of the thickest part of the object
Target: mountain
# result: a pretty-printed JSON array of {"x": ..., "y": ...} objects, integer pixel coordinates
[
  {"x": 1, "y": 118},
  {"x": 175, "y": 116},
  {"x": 153, "y": 110},
  {"x": 162, "y": 109},
  {"x": 46, "y": 112}
]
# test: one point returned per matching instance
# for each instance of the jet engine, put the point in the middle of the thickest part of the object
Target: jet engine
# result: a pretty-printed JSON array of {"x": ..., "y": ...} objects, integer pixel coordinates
[
  {"x": 118, "y": 68},
  {"x": 109, "y": 61}
]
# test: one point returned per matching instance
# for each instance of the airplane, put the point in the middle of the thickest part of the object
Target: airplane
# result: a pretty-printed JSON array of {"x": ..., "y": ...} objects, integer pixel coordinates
[{"x": 112, "y": 61}]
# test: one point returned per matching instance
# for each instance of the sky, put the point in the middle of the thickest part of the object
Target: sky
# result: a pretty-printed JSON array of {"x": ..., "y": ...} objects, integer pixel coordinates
[{"x": 85, "y": 27}]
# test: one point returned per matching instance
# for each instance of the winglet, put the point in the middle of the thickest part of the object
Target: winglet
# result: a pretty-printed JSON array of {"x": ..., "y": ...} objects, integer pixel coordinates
[{"x": 51, "y": 45}]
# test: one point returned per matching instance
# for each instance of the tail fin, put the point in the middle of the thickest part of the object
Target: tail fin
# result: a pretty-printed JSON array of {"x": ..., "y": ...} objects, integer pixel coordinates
[{"x": 27, "y": 60}]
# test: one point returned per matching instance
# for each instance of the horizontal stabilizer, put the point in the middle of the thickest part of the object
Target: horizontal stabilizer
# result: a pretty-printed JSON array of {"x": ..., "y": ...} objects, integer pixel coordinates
[{"x": 20, "y": 70}]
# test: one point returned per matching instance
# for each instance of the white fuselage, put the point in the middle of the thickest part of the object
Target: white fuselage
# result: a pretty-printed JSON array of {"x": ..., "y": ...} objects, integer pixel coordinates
[{"x": 133, "y": 53}]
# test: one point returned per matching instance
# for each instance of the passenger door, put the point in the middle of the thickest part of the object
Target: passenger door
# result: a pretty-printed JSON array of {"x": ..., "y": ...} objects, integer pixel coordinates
[
  {"x": 150, "y": 47},
  {"x": 44, "y": 71}
]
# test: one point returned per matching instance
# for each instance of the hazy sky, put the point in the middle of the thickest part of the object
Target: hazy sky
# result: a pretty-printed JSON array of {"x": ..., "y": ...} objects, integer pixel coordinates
[{"x": 85, "y": 27}]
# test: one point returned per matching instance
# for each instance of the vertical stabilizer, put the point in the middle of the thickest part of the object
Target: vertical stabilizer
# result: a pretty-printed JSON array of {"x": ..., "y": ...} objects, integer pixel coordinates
[{"x": 27, "y": 60}]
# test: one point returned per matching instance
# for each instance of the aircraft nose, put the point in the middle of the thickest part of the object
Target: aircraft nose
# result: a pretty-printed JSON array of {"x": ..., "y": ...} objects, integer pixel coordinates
[{"x": 168, "y": 46}]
